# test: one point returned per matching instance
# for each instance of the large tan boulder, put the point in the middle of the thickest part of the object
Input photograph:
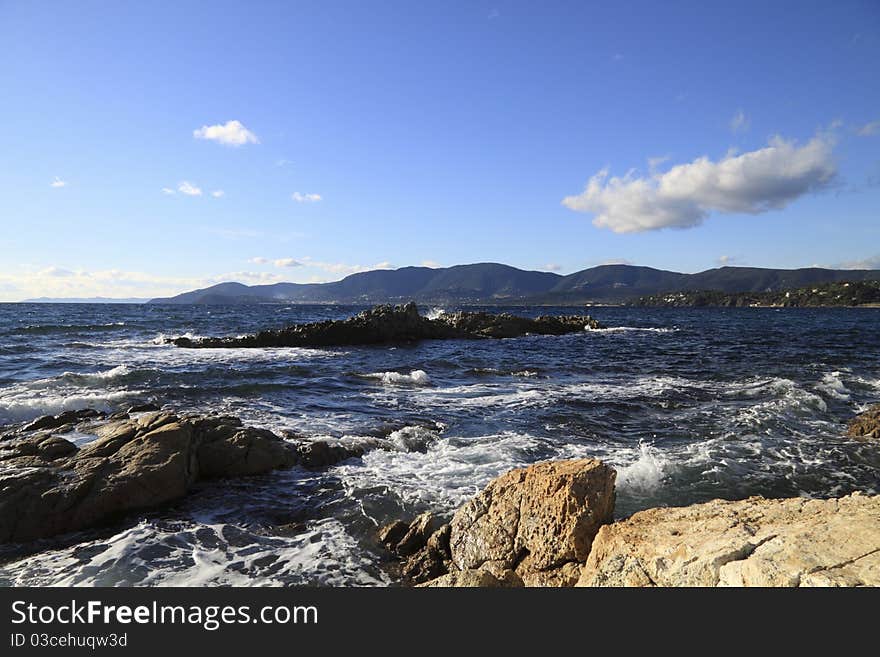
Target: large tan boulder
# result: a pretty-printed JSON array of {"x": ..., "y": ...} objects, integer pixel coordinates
[
  {"x": 536, "y": 521},
  {"x": 753, "y": 542}
]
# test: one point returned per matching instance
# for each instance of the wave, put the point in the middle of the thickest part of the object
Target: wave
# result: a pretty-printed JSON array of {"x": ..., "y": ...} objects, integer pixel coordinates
[
  {"x": 630, "y": 329},
  {"x": 646, "y": 473},
  {"x": 23, "y": 405},
  {"x": 415, "y": 377},
  {"x": 832, "y": 386},
  {"x": 412, "y": 438},
  {"x": 435, "y": 313},
  {"x": 97, "y": 377}
]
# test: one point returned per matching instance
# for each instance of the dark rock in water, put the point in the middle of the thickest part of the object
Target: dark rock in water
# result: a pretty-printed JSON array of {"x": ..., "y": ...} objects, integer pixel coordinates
[
  {"x": 865, "y": 425},
  {"x": 143, "y": 408},
  {"x": 392, "y": 533},
  {"x": 67, "y": 417},
  {"x": 432, "y": 560},
  {"x": 48, "y": 486},
  {"x": 423, "y": 546},
  {"x": 417, "y": 536},
  {"x": 396, "y": 324},
  {"x": 323, "y": 454}
]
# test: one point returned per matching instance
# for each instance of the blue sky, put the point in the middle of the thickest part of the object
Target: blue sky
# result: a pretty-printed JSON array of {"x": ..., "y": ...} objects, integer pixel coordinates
[{"x": 389, "y": 134}]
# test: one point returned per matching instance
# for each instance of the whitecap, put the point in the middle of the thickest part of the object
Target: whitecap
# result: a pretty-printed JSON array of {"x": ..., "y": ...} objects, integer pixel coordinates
[
  {"x": 415, "y": 377},
  {"x": 832, "y": 386},
  {"x": 435, "y": 313}
]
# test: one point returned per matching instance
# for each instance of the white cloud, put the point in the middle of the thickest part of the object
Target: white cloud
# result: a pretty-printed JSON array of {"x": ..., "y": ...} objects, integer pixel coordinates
[
  {"x": 754, "y": 182},
  {"x": 552, "y": 266},
  {"x": 432, "y": 264},
  {"x": 231, "y": 133},
  {"x": 869, "y": 129},
  {"x": 729, "y": 260},
  {"x": 305, "y": 198},
  {"x": 218, "y": 193},
  {"x": 246, "y": 277},
  {"x": 867, "y": 263},
  {"x": 113, "y": 283},
  {"x": 57, "y": 182},
  {"x": 186, "y": 187},
  {"x": 616, "y": 261},
  {"x": 168, "y": 191},
  {"x": 344, "y": 269},
  {"x": 283, "y": 162},
  {"x": 259, "y": 261},
  {"x": 287, "y": 262},
  {"x": 740, "y": 122}
]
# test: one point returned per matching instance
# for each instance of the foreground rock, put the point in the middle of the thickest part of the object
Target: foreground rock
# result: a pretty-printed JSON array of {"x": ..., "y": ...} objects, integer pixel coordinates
[
  {"x": 50, "y": 486},
  {"x": 865, "y": 425},
  {"x": 754, "y": 542},
  {"x": 390, "y": 324},
  {"x": 422, "y": 545},
  {"x": 531, "y": 526}
]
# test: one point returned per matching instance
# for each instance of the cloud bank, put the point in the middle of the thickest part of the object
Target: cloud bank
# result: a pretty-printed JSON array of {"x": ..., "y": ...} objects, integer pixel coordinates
[
  {"x": 231, "y": 133},
  {"x": 684, "y": 196}
]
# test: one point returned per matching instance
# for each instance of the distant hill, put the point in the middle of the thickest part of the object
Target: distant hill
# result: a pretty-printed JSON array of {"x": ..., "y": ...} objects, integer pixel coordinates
[
  {"x": 492, "y": 283},
  {"x": 84, "y": 300},
  {"x": 856, "y": 293}
]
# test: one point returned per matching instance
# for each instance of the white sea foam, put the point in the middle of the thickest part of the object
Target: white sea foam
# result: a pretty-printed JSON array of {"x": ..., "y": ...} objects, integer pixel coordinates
[
  {"x": 645, "y": 474},
  {"x": 448, "y": 474},
  {"x": 17, "y": 405},
  {"x": 832, "y": 386},
  {"x": 630, "y": 329},
  {"x": 107, "y": 375},
  {"x": 415, "y": 377},
  {"x": 435, "y": 313},
  {"x": 412, "y": 438},
  {"x": 187, "y": 553}
]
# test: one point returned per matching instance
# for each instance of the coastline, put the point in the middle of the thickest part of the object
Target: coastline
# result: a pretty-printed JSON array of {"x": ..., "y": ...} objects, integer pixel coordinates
[{"x": 562, "y": 512}]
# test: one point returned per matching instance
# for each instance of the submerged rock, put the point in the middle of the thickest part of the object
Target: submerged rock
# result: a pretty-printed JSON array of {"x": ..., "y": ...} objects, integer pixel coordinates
[
  {"x": 537, "y": 522},
  {"x": 395, "y": 324},
  {"x": 62, "y": 419},
  {"x": 753, "y": 542},
  {"x": 865, "y": 425}
]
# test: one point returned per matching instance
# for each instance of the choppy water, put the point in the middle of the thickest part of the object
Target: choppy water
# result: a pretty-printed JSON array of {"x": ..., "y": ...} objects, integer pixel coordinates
[{"x": 689, "y": 404}]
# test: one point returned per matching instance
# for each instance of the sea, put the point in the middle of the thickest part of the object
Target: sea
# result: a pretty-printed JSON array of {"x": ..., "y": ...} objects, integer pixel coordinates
[{"x": 688, "y": 404}]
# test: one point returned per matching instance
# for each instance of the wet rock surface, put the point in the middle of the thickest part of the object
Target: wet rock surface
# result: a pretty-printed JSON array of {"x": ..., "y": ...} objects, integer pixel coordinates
[{"x": 49, "y": 485}]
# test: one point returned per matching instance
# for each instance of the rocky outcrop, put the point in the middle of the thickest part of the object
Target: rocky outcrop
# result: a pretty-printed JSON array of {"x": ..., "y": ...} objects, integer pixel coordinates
[
  {"x": 422, "y": 545},
  {"x": 753, "y": 542},
  {"x": 50, "y": 486},
  {"x": 399, "y": 324},
  {"x": 865, "y": 425},
  {"x": 532, "y": 525}
]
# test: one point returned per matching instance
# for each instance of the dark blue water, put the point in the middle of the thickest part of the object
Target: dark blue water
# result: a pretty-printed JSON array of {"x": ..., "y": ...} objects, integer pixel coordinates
[{"x": 688, "y": 404}]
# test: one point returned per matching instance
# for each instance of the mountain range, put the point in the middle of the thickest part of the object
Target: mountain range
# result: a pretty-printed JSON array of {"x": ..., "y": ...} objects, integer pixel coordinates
[{"x": 492, "y": 283}]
